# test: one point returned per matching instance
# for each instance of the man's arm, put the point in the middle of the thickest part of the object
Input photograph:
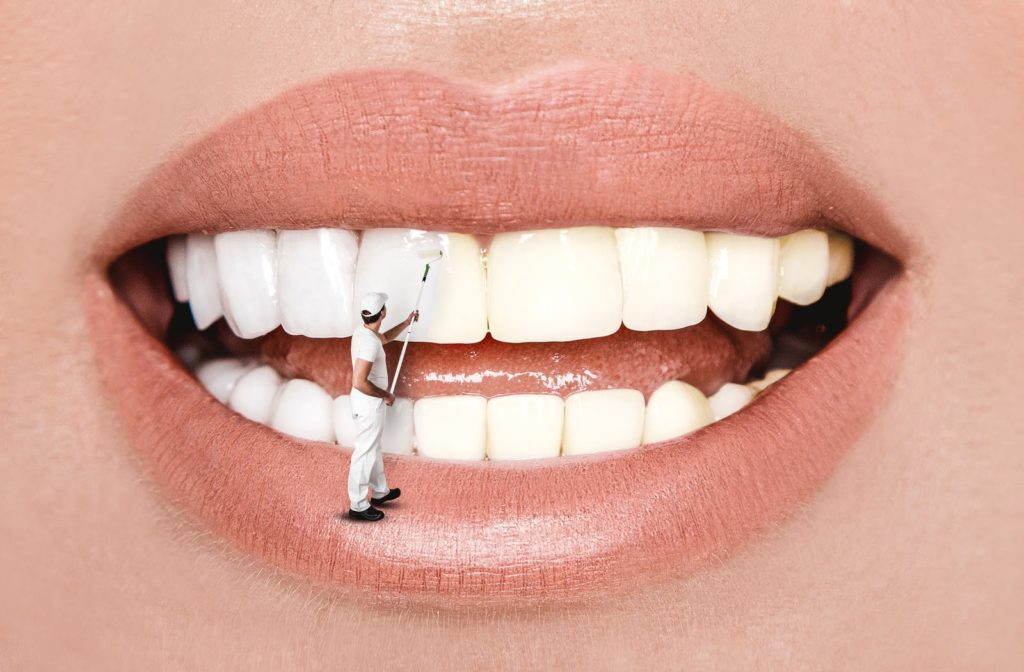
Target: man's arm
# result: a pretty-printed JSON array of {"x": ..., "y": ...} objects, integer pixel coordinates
[
  {"x": 392, "y": 334},
  {"x": 361, "y": 383}
]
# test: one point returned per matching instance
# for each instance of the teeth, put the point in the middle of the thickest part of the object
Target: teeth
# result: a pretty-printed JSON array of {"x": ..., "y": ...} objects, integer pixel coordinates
[
  {"x": 770, "y": 377},
  {"x": 840, "y": 257},
  {"x": 674, "y": 409},
  {"x": 664, "y": 277},
  {"x": 201, "y": 276},
  {"x": 247, "y": 271},
  {"x": 219, "y": 376},
  {"x": 451, "y": 427},
  {"x": 344, "y": 426},
  {"x": 803, "y": 266},
  {"x": 457, "y": 312},
  {"x": 398, "y": 427},
  {"x": 254, "y": 394},
  {"x": 602, "y": 420},
  {"x": 303, "y": 410},
  {"x": 176, "y": 261},
  {"x": 316, "y": 271},
  {"x": 744, "y": 279},
  {"x": 524, "y": 426},
  {"x": 553, "y": 285},
  {"x": 730, "y": 398}
]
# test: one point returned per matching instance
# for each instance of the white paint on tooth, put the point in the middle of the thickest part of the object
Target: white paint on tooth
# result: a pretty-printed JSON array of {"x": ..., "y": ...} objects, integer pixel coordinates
[
  {"x": 303, "y": 409},
  {"x": 664, "y": 277},
  {"x": 524, "y": 426},
  {"x": 398, "y": 427},
  {"x": 344, "y": 425},
  {"x": 553, "y": 285},
  {"x": 730, "y": 398},
  {"x": 247, "y": 271},
  {"x": 744, "y": 279},
  {"x": 201, "y": 277},
  {"x": 450, "y": 427},
  {"x": 840, "y": 257},
  {"x": 803, "y": 266},
  {"x": 674, "y": 409},
  {"x": 255, "y": 393},
  {"x": 176, "y": 267},
  {"x": 315, "y": 280},
  {"x": 219, "y": 376},
  {"x": 602, "y": 420}
]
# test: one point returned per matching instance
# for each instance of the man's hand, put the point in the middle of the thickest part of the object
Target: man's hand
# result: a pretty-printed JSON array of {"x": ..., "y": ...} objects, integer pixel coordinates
[
  {"x": 390, "y": 399},
  {"x": 414, "y": 316}
]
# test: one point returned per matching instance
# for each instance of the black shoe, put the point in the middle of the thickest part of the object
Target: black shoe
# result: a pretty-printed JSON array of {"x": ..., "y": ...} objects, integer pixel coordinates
[
  {"x": 393, "y": 493},
  {"x": 368, "y": 513}
]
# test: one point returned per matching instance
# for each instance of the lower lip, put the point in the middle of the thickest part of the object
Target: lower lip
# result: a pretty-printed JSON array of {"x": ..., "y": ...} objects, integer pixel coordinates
[{"x": 475, "y": 535}]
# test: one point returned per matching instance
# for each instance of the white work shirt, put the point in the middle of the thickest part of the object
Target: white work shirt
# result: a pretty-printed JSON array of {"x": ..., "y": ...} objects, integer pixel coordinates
[{"x": 367, "y": 345}]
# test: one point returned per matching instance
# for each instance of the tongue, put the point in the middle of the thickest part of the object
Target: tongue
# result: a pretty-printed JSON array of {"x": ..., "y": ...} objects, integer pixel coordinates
[{"x": 705, "y": 355}]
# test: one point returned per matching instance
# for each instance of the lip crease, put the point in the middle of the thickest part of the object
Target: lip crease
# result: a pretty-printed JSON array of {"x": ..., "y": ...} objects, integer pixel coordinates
[{"x": 579, "y": 144}]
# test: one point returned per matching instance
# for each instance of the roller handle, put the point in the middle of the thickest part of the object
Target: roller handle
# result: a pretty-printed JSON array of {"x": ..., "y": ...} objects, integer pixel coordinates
[{"x": 408, "y": 333}]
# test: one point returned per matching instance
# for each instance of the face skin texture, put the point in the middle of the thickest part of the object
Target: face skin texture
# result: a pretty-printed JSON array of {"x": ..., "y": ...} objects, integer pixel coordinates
[{"x": 909, "y": 557}]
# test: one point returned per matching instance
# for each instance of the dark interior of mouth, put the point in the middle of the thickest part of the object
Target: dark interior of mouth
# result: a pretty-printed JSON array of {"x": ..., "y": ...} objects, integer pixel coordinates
[{"x": 705, "y": 355}]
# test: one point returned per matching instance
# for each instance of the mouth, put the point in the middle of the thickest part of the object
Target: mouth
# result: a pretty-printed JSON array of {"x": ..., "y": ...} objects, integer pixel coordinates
[{"x": 660, "y": 320}]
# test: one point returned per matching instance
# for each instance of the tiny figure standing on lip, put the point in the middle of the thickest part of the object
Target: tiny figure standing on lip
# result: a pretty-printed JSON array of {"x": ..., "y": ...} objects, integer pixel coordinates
[{"x": 369, "y": 396}]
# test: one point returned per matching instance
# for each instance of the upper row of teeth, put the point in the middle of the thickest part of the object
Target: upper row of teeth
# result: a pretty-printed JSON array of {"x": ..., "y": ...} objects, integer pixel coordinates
[
  {"x": 473, "y": 427},
  {"x": 543, "y": 285}
]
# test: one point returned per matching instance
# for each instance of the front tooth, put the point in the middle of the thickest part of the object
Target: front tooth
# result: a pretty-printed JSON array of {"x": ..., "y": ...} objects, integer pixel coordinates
[
  {"x": 176, "y": 267},
  {"x": 770, "y": 377},
  {"x": 601, "y": 420},
  {"x": 803, "y": 266},
  {"x": 254, "y": 394},
  {"x": 744, "y": 279},
  {"x": 664, "y": 277},
  {"x": 389, "y": 262},
  {"x": 219, "y": 376},
  {"x": 553, "y": 285},
  {"x": 247, "y": 270},
  {"x": 344, "y": 426},
  {"x": 840, "y": 257},
  {"x": 450, "y": 427},
  {"x": 524, "y": 426},
  {"x": 315, "y": 278},
  {"x": 303, "y": 409},
  {"x": 398, "y": 427},
  {"x": 201, "y": 277},
  {"x": 674, "y": 409},
  {"x": 730, "y": 398}
]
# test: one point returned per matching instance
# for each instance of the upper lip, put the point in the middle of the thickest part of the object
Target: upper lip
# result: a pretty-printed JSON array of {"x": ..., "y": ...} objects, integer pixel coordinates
[{"x": 594, "y": 143}]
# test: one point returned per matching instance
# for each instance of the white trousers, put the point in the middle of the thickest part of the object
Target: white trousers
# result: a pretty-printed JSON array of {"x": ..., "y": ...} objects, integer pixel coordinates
[{"x": 367, "y": 468}]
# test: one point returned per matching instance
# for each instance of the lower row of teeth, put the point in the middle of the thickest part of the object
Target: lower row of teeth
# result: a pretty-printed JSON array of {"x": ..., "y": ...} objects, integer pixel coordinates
[{"x": 472, "y": 427}]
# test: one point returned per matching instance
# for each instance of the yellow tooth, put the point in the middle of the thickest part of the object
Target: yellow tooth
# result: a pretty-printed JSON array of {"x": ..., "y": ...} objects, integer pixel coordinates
[
  {"x": 840, "y": 257},
  {"x": 450, "y": 427},
  {"x": 601, "y": 420},
  {"x": 744, "y": 279},
  {"x": 674, "y": 409},
  {"x": 524, "y": 426}
]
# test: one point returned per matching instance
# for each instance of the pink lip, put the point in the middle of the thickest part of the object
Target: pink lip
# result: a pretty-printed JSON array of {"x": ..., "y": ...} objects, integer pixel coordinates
[{"x": 622, "y": 145}]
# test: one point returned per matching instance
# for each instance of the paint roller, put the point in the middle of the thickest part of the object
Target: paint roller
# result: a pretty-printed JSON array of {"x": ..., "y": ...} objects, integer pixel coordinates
[{"x": 432, "y": 255}]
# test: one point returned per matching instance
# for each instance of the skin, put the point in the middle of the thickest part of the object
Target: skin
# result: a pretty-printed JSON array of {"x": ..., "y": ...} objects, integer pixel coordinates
[
  {"x": 362, "y": 367},
  {"x": 909, "y": 557}
]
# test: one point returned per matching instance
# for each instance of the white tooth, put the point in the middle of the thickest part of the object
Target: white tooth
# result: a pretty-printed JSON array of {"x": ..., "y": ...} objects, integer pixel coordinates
[
  {"x": 452, "y": 309},
  {"x": 664, "y": 277},
  {"x": 744, "y": 279},
  {"x": 674, "y": 409},
  {"x": 730, "y": 398},
  {"x": 450, "y": 427},
  {"x": 176, "y": 267},
  {"x": 553, "y": 285},
  {"x": 315, "y": 277},
  {"x": 771, "y": 376},
  {"x": 219, "y": 376},
  {"x": 601, "y": 420},
  {"x": 254, "y": 394},
  {"x": 803, "y": 266},
  {"x": 840, "y": 257},
  {"x": 344, "y": 426},
  {"x": 303, "y": 409},
  {"x": 524, "y": 426},
  {"x": 201, "y": 276},
  {"x": 398, "y": 427},
  {"x": 247, "y": 270}
]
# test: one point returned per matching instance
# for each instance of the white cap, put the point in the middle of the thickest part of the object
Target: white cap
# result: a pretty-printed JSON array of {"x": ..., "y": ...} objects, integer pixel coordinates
[{"x": 372, "y": 302}]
